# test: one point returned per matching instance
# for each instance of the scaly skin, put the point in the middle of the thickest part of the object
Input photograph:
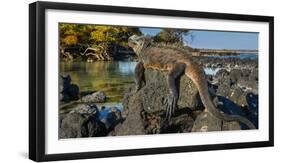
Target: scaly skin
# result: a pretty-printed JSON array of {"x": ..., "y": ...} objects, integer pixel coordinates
[{"x": 176, "y": 63}]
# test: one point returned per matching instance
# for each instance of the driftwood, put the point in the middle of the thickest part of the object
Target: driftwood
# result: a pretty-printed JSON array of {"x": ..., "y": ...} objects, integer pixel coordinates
[
  {"x": 66, "y": 55},
  {"x": 99, "y": 53}
]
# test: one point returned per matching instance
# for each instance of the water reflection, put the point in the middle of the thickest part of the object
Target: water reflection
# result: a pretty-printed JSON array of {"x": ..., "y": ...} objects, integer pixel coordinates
[{"x": 111, "y": 77}]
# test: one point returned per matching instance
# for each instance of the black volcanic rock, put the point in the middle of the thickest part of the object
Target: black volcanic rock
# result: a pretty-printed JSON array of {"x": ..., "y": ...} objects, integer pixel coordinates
[
  {"x": 146, "y": 108},
  {"x": 82, "y": 122}
]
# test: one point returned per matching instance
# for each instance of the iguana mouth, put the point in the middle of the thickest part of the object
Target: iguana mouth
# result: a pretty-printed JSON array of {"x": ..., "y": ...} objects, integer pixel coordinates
[
  {"x": 132, "y": 40},
  {"x": 134, "y": 43},
  {"x": 139, "y": 43}
]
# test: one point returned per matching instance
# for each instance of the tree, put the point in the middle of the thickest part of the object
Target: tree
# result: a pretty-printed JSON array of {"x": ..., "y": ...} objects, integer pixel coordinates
[
  {"x": 94, "y": 39},
  {"x": 171, "y": 36},
  {"x": 113, "y": 34},
  {"x": 78, "y": 32}
]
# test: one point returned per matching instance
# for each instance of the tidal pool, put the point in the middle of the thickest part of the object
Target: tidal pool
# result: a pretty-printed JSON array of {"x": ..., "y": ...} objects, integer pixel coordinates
[{"x": 111, "y": 77}]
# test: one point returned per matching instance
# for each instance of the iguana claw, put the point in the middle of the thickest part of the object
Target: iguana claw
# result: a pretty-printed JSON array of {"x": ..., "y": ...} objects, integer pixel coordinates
[
  {"x": 138, "y": 87},
  {"x": 171, "y": 106}
]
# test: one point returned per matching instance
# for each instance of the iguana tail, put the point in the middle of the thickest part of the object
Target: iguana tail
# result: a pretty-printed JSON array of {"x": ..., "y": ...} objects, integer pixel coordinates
[{"x": 199, "y": 79}]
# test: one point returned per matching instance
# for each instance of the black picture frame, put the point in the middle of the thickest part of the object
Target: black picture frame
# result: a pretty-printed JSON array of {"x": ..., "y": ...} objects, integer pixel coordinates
[{"x": 37, "y": 80}]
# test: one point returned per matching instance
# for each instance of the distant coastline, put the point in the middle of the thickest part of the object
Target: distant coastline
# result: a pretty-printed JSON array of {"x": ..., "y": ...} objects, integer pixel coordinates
[{"x": 221, "y": 52}]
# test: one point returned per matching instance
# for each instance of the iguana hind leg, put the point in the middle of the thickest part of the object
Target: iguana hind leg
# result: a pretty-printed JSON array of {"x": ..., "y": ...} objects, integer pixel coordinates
[
  {"x": 139, "y": 76},
  {"x": 173, "y": 96}
]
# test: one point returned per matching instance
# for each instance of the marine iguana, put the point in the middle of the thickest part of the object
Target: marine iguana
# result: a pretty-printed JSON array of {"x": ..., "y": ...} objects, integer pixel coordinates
[{"x": 176, "y": 63}]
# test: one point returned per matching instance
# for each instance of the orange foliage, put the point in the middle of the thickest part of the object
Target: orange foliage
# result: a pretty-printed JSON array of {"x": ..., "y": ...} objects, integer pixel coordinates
[{"x": 70, "y": 40}]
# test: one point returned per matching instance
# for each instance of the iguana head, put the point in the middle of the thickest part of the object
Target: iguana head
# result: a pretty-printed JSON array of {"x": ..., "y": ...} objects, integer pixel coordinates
[{"x": 139, "y": 43}]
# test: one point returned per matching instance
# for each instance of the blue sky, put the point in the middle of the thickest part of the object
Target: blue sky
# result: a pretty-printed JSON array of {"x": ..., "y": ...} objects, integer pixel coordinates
[{"x": 216, "y": 39}]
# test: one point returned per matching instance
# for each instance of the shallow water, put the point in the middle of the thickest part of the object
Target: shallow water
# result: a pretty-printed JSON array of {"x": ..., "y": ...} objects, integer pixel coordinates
[
  {"x": 111, "y": 77},
  {"x": 211, "y": 71},
  {"x": 240, "y": 56}
]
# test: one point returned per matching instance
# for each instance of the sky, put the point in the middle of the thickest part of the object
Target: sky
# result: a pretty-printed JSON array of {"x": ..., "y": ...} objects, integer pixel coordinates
[{"x": 216, "y": 39}]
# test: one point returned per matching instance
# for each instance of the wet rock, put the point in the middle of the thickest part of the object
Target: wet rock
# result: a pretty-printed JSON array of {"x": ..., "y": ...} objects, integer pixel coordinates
[
  {"x": 207, "y": 122},
  {"x": 236, "y": 84},
  {"x": 97, "y": 97},
  {"x": 228, "y": 63},
  {"x": 87, "y": 109},
  {"x": 82, "y": 122},
  {"x": 86, "y": 120},
  {"x": 110, "y": 117},
  {"x": 68, "y": 90},
  {"x": 133, "y": 125},
  {"x": 252, "y": 100},
  {"x": 234, "y": 94},
  {"x": 229, "y": 107}
]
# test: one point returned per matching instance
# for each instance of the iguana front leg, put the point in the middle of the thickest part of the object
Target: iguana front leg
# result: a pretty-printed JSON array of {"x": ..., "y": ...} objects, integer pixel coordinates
[
  {"x": 139, "y": 76},
  {"x": 173, "y": 96}
]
